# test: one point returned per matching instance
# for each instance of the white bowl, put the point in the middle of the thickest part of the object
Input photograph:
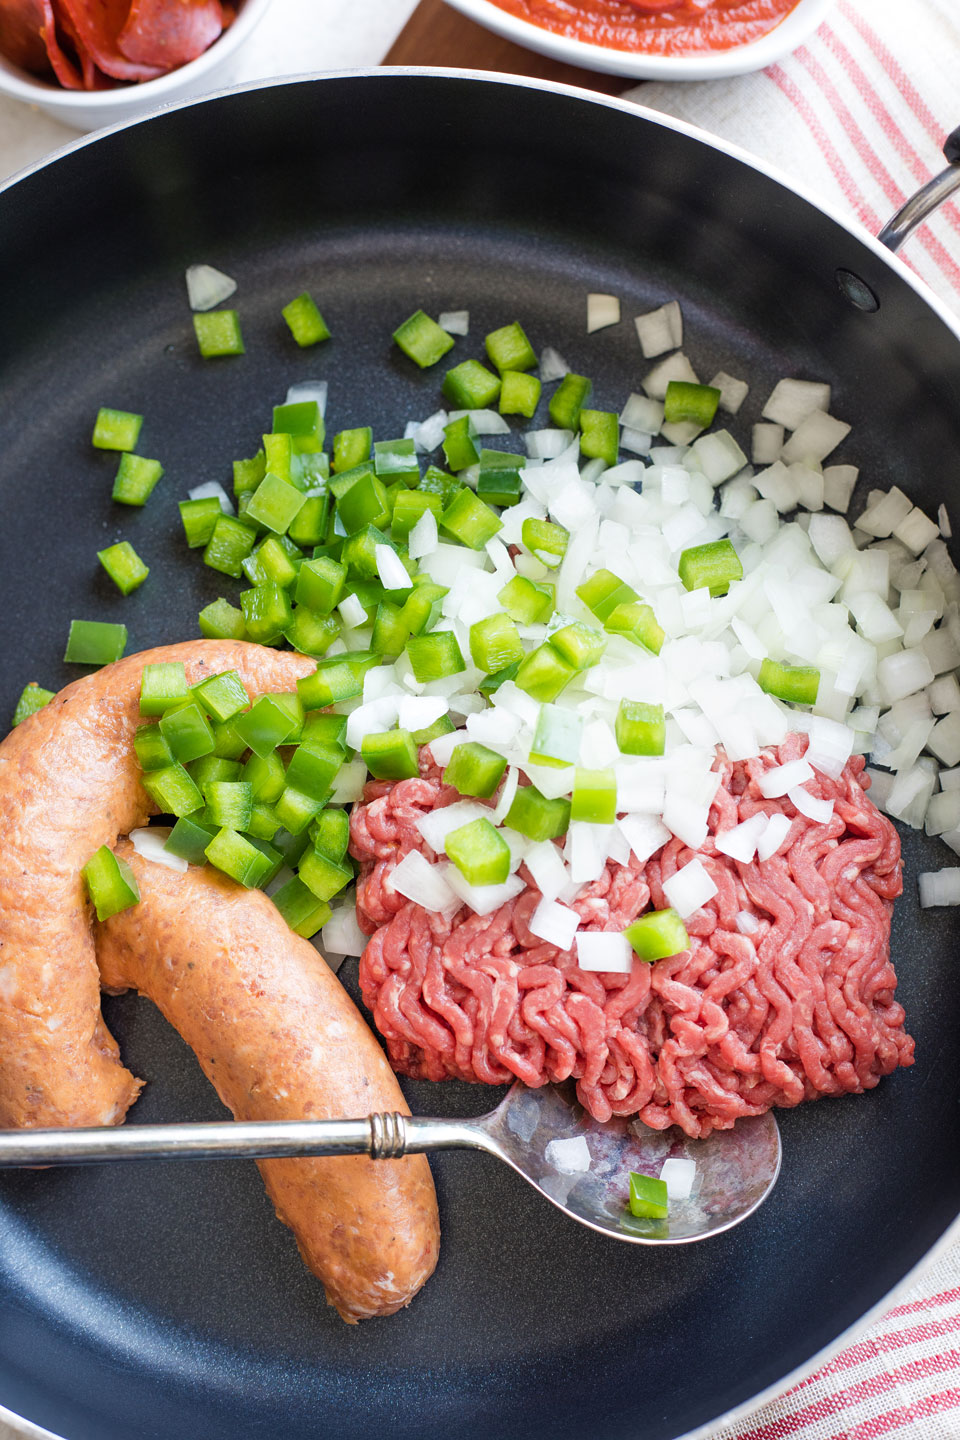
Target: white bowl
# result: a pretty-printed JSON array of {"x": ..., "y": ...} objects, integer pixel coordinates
[
  {"x": 713, "y": 65},
  {"x": 89, "y": 109}
]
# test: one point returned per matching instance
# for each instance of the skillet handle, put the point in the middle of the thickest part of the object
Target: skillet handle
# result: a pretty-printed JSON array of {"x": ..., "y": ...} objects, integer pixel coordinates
[{"x": 926, "y": 200}]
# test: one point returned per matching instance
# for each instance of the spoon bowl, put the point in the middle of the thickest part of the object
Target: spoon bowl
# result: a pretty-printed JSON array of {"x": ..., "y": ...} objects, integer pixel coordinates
[{"x": 577, "y": 1163}]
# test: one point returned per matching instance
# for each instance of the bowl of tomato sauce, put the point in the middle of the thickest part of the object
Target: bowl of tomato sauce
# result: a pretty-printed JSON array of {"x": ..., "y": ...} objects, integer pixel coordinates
[{"x": 654, "y": 39}]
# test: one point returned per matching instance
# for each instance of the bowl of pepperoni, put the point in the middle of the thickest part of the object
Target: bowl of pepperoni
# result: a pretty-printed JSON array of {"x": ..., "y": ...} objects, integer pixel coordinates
[
  {"x": 92, "y": 65},
  {"x": 654, "y": 39}
]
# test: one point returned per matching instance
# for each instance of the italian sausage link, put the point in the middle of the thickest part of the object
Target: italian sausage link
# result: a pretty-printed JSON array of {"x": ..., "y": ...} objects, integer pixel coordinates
[
  {"x": 69, "y": 783},
  {"x": 280, "y": 1039}
]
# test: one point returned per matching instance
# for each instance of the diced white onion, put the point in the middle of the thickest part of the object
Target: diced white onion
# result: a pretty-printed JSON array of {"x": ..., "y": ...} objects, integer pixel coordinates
[
  {"x": 390, "y": 568},
  {"x": 689, "y": 888},
  {"x": 939, "y": 887},
  {"x": 352, "y": 612},
  {"x": 778, "y": 827},
  {"x": 342, "y": 934},
  {"x": 740, "y": 843},
  {"x": 791, "y": 401},
  {"x": 555, "y": 923},
  {"x": 436, "y": 825},
  {"x": 424, "y": 537},
  {"x": 207, "y": 287},
  {"x": 552, "y": 365},
  {"x": 679, "y": 1174},
  {"x": 484, "y": 899},
  {"x": 210, "y": 489},
  {"x": 149, "y": 843},
  {"x": 604, "y": 950},
  {"x": 455, "y": 322},
  {"x": 777, "y": 781},
  {"x": 423, "y": 883},
  {"x": 810, "y": 805},
  {"x": 660, "y": 330},
  {"x": 602, "y": 310},
  {"x": 308, "y": 390}
]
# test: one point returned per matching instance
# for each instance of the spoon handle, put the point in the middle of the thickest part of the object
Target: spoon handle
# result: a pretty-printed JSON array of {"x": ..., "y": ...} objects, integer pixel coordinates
[{"x": 381, "y": 1136}]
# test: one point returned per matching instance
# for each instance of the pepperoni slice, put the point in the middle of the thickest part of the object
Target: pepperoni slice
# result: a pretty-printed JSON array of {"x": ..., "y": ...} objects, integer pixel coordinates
[
  {"x": 158, "y": 32},
  {"x": 96, "y": 24},
  {"x": 21, "y": 35}
]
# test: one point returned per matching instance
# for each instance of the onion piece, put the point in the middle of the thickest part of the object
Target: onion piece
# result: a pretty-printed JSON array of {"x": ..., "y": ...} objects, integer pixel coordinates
[
  {"x": 425, "y": 884},
  {"x": 778, "y": 828},
  {"x": 660, "y": 330},
  {"x": 149, "y": 842},
  {"x": 604, "y": 950},
  {"x": 555, "y": 923},
  {"x": 484, "y": 899},
  {"x": 342, "y": 934},
  {"x": 809, "y": 805},
  {"x": 679, "y": 1174},
  {"x": 552, "y": 365},
  {"x": 602, "y": 311},
  {"x": 308, "y": 390},
  {"x": 689, "y": 888},
  {"x": 210, "y": 489},
  {"x": 939, "y": 887},
  {"x": 207, "y": 286},
  {"x": 775, "y": 782},
  {"x": 455, "y": 322}
]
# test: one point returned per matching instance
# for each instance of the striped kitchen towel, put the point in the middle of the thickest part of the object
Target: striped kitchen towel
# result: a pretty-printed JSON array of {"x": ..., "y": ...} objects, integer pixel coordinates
[
  {"x": 859, "y": 114},
  {"x": 901, "y": 1379}
]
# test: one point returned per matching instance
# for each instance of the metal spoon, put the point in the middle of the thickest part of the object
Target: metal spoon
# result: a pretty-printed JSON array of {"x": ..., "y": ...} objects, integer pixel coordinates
[{"x": 735, "y": 1169}]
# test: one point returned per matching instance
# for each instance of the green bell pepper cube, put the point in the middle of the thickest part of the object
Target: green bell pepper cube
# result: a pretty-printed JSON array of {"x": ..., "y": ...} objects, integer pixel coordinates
[
  {"x": 470, "y": 521},
  {"x": 658, "y": 935},
  {"x": 116, "y": 429},
  {"x": 229, "y": 804},
  {"x": 528, "y": 602},
  {"x": 222, "y": 696},
  {"x": 519, "y": 394},
  {"x": 470, "y": 386},
  {"x": 189, "y": 839},
  {"x": 94, "y": 642},
  {"x": 359, "y": 552},
  {"x": 173, "y": 791},
  {"x": 495, "y": 643},
  {"x": 311, "y": 634},
  {"x": 320, "y": 585},
  {"x": 422, "y": 339},
  {"x": 533, "y": 815},
  {"x": 434, "y": 656},
  {"x": 330, "y": 833},
  {"x": 110, "y": 883},
  {"x": 162, "y": 685},
  {"x": 637, "y": 622},
  {"x": 326, "y": 729},
  {"x": 302, "y": 421},
  {"x": 278, "y": 453},
  {"x": 33, "y": 697},
  {"x": 548, "y": 542},
  {"x": 600, "y": 435},
  {"x": 490, "y": 684},
  {"x": 187, "y": 731},
  {"x": 227, "y": 740},
  {"x": 309, "y": 525},
  {"x": 331, "y": 684},
  {"x": 687, "y": 402},
  {"x": 239, "y": 858},
  {"x": 568, "y": 400},
  {"x": 266, "y": 776},
  {"x": 135, "y": 479},
  {"x": 213, "y": 768},
  {"x": 500, "y": 487},
  {"x": 222, "y": 621},
  {"x": 594, "y": 796},
  {"x": 301, "y": 909},
  {"x": 247, "y": 474},
  {"x": 295, "y": 810},
  {"x": 263, "y": 824},
  {"x": 797, "y": 684},
  {"x": 265, "y": 726},
  {"x": 648, "y": 1197},
  {"x": 544, "y": 673},
  {"x": 313, "y": 769},
  {"x": 351, "y": 448},
  {"x": 458, "y": 444},
  {"x": 391, "y": 755},
  {"x": 266, "y": 612},
  {"x": 291, "y": 847},
  {"x": 443, "y": 726},
  {"x": 604, "y": 591},
  {"x": 275, "y": 503},
  {"x": 229, "y": 545},
  {"x": 409, "y": 507},
  {"x": 556, "y": 739},
  {"x": 322, "y": 875},
  {"x": 435, "y": 481},
  {"x": 198, "y": 518},
  {"x": 364, "y": 503},
  {"x": 580, "y": 646},
  {"x": 473, "y": 769},
  {"x": 509, "y": 349},
  {"x": 276, "y": 562},
  {"x": 640, "y": 728},
  {"x": 479, "y": 852},
  {"x": 390, "y": 632},
  {"x": 421, "y": 609},
  {"x": 152, "y": 750},
  {"x": 307, "y": 325},
  {"x": 218, "y": 333},
  {"x": 396, "y": 460},
  {"x": 715, "y": 565}
]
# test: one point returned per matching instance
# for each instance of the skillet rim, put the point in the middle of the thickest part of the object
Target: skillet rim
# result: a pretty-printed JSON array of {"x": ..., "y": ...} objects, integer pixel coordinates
[{"x": 28, "y": 1429}]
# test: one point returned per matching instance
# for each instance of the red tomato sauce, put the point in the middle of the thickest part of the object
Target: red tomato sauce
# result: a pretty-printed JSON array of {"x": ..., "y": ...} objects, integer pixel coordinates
[{"x": 656, "y": 27}]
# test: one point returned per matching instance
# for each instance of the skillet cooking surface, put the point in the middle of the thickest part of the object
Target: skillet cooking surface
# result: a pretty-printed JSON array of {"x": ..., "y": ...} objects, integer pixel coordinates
[{"x": 165, "y": 1301}]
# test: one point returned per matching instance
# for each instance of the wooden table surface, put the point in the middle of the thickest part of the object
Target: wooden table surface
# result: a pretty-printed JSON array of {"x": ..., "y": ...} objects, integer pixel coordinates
[{"x": 437, "y": 35}]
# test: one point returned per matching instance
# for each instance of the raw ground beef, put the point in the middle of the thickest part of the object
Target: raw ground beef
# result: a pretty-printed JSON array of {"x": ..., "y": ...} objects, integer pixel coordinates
[{"x": 804, "y": 1007}]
